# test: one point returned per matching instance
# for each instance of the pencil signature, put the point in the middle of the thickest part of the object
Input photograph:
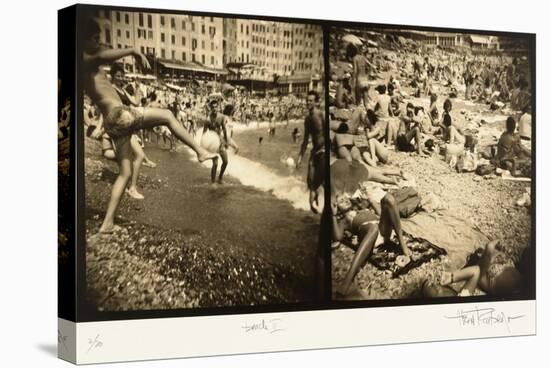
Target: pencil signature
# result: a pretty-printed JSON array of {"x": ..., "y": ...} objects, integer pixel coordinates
[
  {"x": 484, "y": 317},
  {"x": 269, "y": 326}
]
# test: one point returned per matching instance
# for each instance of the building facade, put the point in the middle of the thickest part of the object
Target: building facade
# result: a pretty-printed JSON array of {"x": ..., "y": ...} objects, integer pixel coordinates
[{"x": 168, "y": 37}]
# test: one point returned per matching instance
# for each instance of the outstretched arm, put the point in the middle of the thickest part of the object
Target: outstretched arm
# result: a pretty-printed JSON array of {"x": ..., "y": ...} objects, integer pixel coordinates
[{"x": 108, "y": 56}]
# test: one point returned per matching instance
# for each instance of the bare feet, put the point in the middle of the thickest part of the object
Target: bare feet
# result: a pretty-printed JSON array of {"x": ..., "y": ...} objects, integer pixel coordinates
[
  {"x": 149, "y": 163},
  {"x": 352, "y": 293},
  {"x": 132, "y": 192},
  {"x": 109, "y": 229}
]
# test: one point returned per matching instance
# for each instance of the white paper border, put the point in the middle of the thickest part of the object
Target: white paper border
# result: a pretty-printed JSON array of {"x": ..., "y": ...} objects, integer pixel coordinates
[{"x": 165, "y": 338}]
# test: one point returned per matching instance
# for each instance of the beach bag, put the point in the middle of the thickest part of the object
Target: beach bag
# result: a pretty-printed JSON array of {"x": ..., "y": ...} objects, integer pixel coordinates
[
  {"x": 407, "y": 200},
  {"x": 485, "y": 169}
]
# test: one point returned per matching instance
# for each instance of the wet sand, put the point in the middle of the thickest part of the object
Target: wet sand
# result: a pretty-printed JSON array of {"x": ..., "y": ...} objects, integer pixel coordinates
[{"x": 193, "y": 244}]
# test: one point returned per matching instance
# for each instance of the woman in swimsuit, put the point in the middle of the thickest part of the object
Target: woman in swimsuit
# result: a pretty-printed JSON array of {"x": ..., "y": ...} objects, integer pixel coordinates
[
  {"x": 366, "y": 224},
  {"x": 495, "y": 274}
]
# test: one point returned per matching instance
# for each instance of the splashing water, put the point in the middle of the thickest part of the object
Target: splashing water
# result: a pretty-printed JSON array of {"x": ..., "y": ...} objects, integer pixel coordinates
[{"x": 261, "y": 177}]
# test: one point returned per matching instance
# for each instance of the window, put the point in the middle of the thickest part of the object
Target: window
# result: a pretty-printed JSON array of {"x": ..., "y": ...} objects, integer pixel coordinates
[
  {"x": 203, "y": 29},
  {"x": 126, "y": 19},
  {"x": 193, "y": 27},
  {"x": 173, "y": 54},
  {"x": 247, "y": 44},
  {"x": 194, "y": 43},
  {"x": 173, "y": 23},
  {"x": 242, "y": 28},
  {"x": 141, "y": 19},
  {"x": 118, "y": 16},
  {"x": 203, "y": 58},
  {"x": 211, "y": 60},
  {"x": 162, "y": 21},
  {"x": 162, "y": 37},
  {"x": 149, "y": 21},
  {"x": 183, "y": 25},
  {"x": 212, "y": 19},
  {"x": 128, "y": 34},
  {"x": 173, "y": 39},
  {"x": 211, "y": 46},
  {"x": 150, "y": 35},
  {"x": 183, "y": 56},
  {"x": 193, "y": 57},
  {"x": 118, "y": 33},
  {"x": 119, "y": 46},
  {"x": 247, "y": 30},
  {"x": 162, "y": 53},
  {"x": 108, "y": 36},
  {"x": 183, "y": 41},
  {"x": 142, "y": 50}
]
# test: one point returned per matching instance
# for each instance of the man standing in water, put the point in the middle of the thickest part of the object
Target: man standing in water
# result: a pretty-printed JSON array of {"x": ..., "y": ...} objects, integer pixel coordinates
[
  {"x": 314, "y": 125},
  {"x": 120, "y": 121}
]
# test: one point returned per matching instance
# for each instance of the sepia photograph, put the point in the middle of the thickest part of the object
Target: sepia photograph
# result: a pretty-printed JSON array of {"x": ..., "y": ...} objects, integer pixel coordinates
[
  {"x": 431, "y": 164},
  {"x": 204, "y": 160}
]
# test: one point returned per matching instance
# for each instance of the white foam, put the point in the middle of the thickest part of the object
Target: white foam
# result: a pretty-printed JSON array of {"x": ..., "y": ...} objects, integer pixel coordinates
[{"x": 261, "y": 177}]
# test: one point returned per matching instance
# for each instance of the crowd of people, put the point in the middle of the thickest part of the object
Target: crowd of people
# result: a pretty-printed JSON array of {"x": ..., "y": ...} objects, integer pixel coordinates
[
  {"x": 126, "y": 113},
  {"x": 399, "y": 97}
]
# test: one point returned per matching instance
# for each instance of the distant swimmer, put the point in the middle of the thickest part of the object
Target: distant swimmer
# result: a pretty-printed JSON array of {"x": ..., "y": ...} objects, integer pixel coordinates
[{"x": 295, "y": 135}]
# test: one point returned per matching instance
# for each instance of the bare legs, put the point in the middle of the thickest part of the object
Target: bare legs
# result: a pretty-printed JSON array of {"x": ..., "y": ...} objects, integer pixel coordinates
[
  {"x": 377, "y": 152},
  {"x": 124, "y": 156},
  {"x": 153, "y": 117},
  {"x": 223, "y": 155},
  {"x": 390, "y": 220},
  {"x": 469, "y": 274},
  {"x": 361, "y": 255},
  {"x": 139, "y": 156}
]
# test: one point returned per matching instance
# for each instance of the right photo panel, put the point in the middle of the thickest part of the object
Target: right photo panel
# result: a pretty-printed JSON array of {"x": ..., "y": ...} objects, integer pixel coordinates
[{"x": 430, "y": 164}]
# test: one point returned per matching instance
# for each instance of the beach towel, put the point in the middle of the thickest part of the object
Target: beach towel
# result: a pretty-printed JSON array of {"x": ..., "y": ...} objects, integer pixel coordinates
[{"x": 446, "y": 230}]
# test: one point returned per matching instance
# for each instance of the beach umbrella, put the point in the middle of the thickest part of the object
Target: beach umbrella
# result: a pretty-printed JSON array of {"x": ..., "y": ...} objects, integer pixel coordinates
[
  {"x": 345, "y": 176},
  {"x": 353, "y": 39}
]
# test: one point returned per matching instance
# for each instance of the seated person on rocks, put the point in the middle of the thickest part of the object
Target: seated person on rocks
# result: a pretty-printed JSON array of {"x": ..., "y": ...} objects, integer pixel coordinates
[
  {"x": 450, "y": 133},
  {"x": 409, "y": 130},
  {"x": 495, "y": 274},
  {"x": 365, "y": 224},
  {"x": 433, "y": 112},
  {"x": 345, "y": 145},
  {"x": 510, "y": 152},
  {"x": 375, "y": 151}
]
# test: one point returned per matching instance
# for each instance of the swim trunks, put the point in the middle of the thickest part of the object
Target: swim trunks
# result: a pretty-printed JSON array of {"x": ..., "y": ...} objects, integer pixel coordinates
[
  {"x": 316, "y": 169},
  {"x": 118, "y": 124}
]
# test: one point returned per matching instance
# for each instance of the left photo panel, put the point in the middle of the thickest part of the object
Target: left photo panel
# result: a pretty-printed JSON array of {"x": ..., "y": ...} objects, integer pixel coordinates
[{"x": 204, "y": 160}]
